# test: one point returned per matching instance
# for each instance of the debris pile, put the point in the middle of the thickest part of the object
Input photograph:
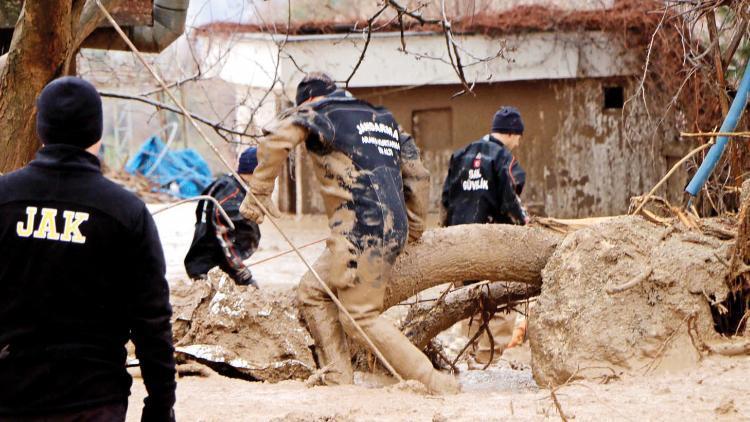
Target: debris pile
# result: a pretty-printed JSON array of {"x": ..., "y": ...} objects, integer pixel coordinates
[
  {"x": 629, "y": 297},
  {"x": 621, "y": 296},
  {"x": 148, "y": 191},
  {"x": 240, "y": 331}
]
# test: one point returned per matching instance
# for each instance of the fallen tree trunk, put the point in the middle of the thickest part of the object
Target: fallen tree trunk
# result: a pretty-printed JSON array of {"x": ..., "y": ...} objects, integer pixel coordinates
[
  {"x": 471, "y": 252},
  {"x": 255, "y": 335},
  {"x": 426, "y": 320}
]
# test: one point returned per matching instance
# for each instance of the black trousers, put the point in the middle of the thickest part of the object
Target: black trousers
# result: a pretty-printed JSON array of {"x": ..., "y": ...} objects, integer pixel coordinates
[{"x": 111, "y": 412}]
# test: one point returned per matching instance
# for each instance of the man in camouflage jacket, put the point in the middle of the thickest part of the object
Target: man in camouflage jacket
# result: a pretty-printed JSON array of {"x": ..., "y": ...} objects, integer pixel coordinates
[{"x": 375, "y": 190}]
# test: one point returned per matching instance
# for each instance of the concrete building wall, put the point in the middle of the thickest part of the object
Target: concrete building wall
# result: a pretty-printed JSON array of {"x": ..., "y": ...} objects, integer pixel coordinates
[{"x": 254, "y": 59}]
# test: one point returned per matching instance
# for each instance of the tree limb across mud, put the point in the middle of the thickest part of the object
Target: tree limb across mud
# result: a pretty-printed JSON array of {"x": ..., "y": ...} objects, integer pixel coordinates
[
  {"x": 426, "y": 320},
  {"x": 257, "y": 335},
  {"x": 471, "y": 252}
]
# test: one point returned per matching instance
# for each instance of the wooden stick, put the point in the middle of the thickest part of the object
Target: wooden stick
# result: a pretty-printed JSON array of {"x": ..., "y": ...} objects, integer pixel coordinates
[
  {"x": 713, "y": 35},
  {"x": 645, "y": 199},
  {"x": 562, "y": 414},
  {"x": 199, "y": 198},
  {"x": 654, "y": 218},
  {"x": 714, "y": 134},
  {"x": 735, "y": 43},
  {"x": 307, "y": 245}
]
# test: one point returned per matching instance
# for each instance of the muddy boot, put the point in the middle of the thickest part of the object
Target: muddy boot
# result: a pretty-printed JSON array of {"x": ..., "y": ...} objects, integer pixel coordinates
[
  {"x": 330, "y": 343},
  {"x": 409, "y": 361},
  {"x": 405, "y": 358}
]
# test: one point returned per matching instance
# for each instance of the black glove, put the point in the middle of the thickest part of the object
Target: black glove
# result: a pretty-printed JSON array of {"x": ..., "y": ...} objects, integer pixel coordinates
[{"x": 245, "y": 278}]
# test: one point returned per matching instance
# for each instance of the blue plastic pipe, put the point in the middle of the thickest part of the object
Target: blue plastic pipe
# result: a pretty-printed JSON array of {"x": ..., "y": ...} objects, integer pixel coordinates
[{"x": 729, "y": 125}]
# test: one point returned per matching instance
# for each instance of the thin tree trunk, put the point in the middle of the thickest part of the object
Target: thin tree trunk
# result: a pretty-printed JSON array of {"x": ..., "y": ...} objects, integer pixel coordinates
[
  {"x": 38, "y": 52},
  {"x": 48, "y": 34}
]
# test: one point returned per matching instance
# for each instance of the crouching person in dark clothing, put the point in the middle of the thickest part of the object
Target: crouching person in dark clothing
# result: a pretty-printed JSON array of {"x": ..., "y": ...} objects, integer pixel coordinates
[
  {"x": 82, "y": 272},
  {"x": 215, "y": 242}
]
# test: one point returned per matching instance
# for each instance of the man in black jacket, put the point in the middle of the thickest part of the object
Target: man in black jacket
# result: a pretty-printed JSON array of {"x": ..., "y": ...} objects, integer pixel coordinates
[
  {"x": 82, "y": 272},
  {"x": 215, "y": 243},
  {"x": 483, "y": 186},
  {"x": 485, "y": 179}
]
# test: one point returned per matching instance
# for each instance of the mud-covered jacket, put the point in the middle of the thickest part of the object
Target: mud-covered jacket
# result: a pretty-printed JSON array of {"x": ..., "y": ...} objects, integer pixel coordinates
[
  {"x": 483, "y": 184},
  {"x": 214, "y": 241},
  {"x": 81, "y": 273},
  {"x": 373, "y": 183}
]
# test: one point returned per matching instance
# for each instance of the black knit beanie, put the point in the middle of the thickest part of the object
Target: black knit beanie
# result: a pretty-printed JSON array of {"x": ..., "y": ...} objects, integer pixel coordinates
[
  {"x": 314, "y": 85},
  {"x": 508, "y": 120},
  {"x": 69, "y": 111}
]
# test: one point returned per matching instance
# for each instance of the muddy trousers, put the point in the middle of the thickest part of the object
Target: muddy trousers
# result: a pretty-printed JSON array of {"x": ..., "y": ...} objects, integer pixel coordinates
[{"x": 363, "y": 298}]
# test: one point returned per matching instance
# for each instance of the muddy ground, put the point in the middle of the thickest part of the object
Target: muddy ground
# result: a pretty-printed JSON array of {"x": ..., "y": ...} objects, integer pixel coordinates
[{"x": 716, "y": 390}]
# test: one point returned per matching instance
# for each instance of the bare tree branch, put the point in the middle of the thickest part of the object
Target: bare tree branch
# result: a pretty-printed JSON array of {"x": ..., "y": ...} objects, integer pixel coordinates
[
  {"x": 457, "y": 67},
  {"x": 280, "y": 49},
  {"x": 218, "y": 127},
  {"x": 713, "y": 33},
  {"x": 452, "y": 45},
  {"x": 735, "y": 43},
  {"x": 177, "y": 83},
  {"x": 367, "y": 43}
]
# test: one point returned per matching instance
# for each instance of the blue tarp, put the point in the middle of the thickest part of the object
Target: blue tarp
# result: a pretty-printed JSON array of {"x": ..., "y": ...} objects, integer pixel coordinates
[{"x": 184, "y": 169}]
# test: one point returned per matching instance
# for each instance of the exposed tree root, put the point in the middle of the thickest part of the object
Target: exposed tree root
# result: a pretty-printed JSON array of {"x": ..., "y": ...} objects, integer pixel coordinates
[
  {"x": 678, "y": 277},
  {"x": 640, "y": 278},
  {"x": 730, "y": 348},
  {"x": 427, "y": 320},
  {"x": 735, "y": 347}
]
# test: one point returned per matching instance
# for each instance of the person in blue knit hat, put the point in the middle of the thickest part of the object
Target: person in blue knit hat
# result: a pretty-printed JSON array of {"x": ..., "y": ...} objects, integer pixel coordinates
[{"x": 215, "y": 243}]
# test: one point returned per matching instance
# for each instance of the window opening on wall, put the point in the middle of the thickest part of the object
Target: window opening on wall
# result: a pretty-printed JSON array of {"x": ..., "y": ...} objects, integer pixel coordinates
[{"x": 614, "y": 97}]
